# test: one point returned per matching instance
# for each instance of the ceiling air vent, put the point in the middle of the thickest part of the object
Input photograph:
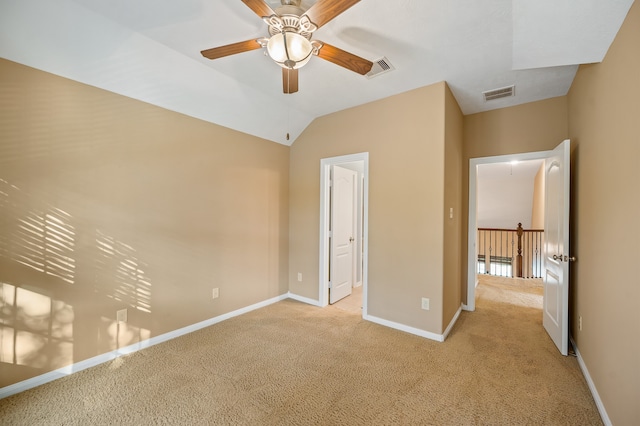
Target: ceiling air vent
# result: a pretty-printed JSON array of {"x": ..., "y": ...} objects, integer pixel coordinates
[
  {"x": 380, "y": 66},
  {"x": 503, "y": 92}
]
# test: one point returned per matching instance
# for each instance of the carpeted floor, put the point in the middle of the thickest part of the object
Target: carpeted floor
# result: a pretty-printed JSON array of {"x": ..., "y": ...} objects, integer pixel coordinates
[{"x": 294, "y": 364}]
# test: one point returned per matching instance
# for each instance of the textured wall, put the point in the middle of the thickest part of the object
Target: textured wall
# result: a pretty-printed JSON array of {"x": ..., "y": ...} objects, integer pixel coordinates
[
  {"x": 404, "y": 136},
  {"x": 108, "y": 203},
  {"x": 604, "y": 124},
  {"x": 537, "y": 210},
  {"x": 536, "y": 126},
  {"x": 452, "y": 249}
]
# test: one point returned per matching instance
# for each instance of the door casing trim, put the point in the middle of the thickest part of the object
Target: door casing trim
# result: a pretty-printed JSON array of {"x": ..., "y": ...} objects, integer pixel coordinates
[
  {"x": 473, "y": 211},
  {"x": 323, "y": 276}
]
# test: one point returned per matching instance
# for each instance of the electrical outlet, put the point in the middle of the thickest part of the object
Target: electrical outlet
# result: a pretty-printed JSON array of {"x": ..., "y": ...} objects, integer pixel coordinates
[
  {"x": 121, "y": 315},
  {"x": 425, "y": 303},
  {"x": 300, "y": 277},
  {"x": 580, "y": 323},
  {"x": 216, "y": 293}
]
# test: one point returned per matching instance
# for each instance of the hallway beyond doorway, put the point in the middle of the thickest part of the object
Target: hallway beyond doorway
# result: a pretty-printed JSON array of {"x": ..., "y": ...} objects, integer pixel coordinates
[
  {"x": 351, "y": 303},
  {"x": 525, "y": 292}
]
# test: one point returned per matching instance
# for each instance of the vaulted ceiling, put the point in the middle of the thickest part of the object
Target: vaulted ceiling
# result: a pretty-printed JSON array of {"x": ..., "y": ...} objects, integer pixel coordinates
[
  {"x": 150, "y": 50},
  {"x": 505, "y": 193}
]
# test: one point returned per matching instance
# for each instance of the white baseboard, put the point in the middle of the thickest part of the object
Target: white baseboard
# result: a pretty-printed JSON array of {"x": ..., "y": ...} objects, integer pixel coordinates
[
  {"x": 592, "y": 386},
  {"x": 416, "y": 331},
  {"x": 465, "y": 307},
  {"x": 100, "y": 359},
  {"x": 451, "y": 324},
  {"x": 303, "y": 299},
  {"x": 405, "y": 328}
]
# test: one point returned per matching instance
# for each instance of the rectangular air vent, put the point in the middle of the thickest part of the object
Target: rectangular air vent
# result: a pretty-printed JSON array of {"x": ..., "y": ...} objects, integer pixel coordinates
[
  {"x": 380, "y": 66},
  {"x": 503, "y": 92}
]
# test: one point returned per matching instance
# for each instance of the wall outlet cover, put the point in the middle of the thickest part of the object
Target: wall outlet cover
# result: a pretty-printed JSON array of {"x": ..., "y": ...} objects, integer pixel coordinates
[
  {"x": 121, "y": 315},
  {"x": 425, "y": 303}
]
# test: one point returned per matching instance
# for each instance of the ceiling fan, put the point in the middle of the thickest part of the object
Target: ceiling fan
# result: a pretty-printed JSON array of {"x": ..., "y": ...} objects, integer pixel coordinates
[{"x": 290, "y": 44}]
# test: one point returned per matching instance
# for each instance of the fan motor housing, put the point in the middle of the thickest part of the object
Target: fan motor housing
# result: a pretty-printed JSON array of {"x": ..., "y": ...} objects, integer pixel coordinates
[
  {"x": 294, "y": 10},
  {"x": 291, "y": 23}
]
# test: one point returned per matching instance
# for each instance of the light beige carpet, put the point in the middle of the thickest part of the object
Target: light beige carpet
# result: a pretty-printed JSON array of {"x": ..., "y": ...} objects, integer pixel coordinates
[{"x": 291, "y": 363}]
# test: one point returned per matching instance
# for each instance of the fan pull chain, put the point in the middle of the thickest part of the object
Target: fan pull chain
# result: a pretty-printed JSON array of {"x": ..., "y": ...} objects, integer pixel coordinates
[{"x": 288, "y": 121}]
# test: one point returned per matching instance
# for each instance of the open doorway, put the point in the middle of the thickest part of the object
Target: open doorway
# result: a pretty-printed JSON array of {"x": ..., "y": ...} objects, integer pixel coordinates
[
  {"x": 487, "y": 211},
  {"x": 359, "y": 165},
  {"x": 510, "y": 219},
  {"x": 555, "y": 252}
]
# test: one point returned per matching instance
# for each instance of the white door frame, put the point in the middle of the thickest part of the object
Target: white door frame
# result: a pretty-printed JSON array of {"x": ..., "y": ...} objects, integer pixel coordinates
[
  {"x": 325, "y": 167},
  {"x": 472, "y": 256}
]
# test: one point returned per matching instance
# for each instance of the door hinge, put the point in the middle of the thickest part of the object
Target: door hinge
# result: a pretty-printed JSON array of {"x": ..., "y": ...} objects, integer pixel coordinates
[{"x": 329, "y": 284}]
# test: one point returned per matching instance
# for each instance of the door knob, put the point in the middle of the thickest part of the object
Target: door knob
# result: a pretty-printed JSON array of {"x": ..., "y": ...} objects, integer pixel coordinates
[
  {"x": 558, "y": 258},
  {"x": 350, "y": 239},
  {"x": 570, "y": 259}
]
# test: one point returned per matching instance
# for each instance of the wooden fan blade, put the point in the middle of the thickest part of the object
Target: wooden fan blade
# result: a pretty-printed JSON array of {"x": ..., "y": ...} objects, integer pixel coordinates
[
  {"x": 259, "y": 7},
  {"x": 231, "y": 49},
  {"x": 325, "y": 10},
  {"x": 344, "y": 59},
  {"x": 289, "y": 80}
]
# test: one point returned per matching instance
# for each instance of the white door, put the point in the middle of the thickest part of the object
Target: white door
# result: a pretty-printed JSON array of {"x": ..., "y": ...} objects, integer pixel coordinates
[
  {"x": 555, "y": 316},
  {"x": 343, "y": 203}
]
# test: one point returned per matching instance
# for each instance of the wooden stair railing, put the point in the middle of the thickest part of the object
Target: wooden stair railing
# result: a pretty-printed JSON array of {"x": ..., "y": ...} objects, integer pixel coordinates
[{"x": 510, "y": 252}]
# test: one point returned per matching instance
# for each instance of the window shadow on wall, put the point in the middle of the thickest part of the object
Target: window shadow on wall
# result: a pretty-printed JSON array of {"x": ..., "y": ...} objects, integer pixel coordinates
[{"x": 50, "y": 271}]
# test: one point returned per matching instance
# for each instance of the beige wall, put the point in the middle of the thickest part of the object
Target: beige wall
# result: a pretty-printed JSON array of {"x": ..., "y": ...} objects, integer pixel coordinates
[
  {"x": 452, "y": 200},
  {"x": 600, "y": 115},
  {"x": 537, "y": 210},
  {"x": 109, "y": 203},
  {"x": 536, "y": 126},
  {"x": 604, "y": 124},
  {"x": 404, "y": 136}
]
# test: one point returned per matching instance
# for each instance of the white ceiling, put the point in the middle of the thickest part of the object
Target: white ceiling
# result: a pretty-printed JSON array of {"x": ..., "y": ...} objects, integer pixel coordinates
[
  {"x": 150, "y": 50},
  {"x": 505, "y": 194}
]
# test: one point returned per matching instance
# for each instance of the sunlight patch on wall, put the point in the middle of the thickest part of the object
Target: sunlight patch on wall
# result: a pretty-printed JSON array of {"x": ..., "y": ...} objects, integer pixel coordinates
[
  {"x": 47, "y": 254},
  {"x": 121, "y": 334},
  {"x": 39, "y": 238},
  {"x": 36, "y": 330},
  {"x": 120, "y": 261}
]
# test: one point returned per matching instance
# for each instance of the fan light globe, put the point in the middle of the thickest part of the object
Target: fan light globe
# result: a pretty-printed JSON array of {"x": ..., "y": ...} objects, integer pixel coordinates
[{"x": 295, "y": 54}]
